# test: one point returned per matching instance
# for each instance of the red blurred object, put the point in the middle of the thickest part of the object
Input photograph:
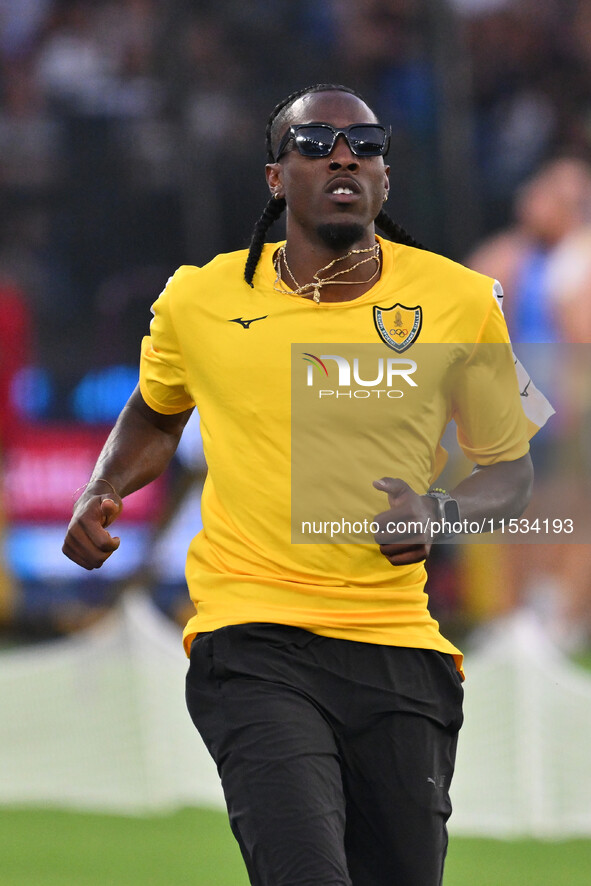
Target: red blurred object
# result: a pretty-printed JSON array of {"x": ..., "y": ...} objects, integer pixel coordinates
[
  {"x": 48, "y": 463},
  {"x": 15, "y": 350}
]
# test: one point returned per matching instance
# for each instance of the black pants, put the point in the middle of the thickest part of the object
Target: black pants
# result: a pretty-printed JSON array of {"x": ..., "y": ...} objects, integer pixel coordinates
[{"x": 335, "y": 756}]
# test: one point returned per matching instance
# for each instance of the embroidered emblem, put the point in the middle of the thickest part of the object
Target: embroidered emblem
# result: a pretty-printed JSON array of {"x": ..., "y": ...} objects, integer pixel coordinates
[{"x": 398, "y": 326}]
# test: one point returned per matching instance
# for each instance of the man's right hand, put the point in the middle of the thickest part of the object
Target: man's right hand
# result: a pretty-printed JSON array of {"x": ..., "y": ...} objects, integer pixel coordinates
[
  {"x": 87, "y": 541},
  {"x": 137, "y": 450}
]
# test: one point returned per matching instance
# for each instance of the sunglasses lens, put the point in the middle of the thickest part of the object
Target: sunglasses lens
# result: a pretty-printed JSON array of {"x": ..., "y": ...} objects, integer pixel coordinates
[
  {"x": 367, "y": 141},
  {"x": 314, "y": 141}
]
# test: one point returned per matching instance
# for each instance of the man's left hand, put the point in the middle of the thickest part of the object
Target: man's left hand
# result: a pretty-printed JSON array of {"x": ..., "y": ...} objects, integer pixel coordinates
[{"x": 404, "y": 535}]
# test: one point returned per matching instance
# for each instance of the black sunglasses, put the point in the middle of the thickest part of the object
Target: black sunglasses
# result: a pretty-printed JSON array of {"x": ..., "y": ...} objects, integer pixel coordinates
[{"x": 318, "y": 139}]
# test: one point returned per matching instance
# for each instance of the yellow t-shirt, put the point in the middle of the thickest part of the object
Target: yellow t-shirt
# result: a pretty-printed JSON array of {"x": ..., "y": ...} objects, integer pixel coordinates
[{"x": 234, "y": 351}]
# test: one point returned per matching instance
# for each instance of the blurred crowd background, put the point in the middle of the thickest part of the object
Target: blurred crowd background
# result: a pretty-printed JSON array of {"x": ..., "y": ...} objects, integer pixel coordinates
[{"x": 132, "y": 141}]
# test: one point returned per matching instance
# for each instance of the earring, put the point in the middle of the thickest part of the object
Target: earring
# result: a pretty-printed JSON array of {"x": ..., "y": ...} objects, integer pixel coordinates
[
  {"x": 385, "y": 197},
  {"x": 276, "y": 196}
]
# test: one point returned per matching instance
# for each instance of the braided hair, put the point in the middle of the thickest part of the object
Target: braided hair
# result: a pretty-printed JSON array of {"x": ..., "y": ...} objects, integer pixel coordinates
[{"x": 276, "y": 205}]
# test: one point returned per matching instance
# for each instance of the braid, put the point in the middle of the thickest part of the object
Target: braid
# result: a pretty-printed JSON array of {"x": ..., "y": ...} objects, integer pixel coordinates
[
  {"x": 274, "y": 207},
  {"x": 270, "y": 214},
  {"x": 395, "y": 231}
]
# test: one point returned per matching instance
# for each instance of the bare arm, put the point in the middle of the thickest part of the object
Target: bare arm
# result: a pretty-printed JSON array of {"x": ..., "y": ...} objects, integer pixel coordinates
[
  {"x": 502, "y": 490},
  {"x": 138, "y": 450}
]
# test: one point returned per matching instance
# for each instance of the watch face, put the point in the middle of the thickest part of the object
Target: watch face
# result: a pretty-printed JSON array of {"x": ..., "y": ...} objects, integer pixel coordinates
[{"x": 451, "y": 510}]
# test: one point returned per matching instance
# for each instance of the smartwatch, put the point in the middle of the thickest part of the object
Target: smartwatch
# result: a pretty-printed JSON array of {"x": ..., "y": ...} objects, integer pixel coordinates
[{"x": 448, "y": 512}]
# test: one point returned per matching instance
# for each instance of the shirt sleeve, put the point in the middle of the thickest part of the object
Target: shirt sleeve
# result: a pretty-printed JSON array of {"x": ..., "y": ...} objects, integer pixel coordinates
[
  {"x": 162, "y": 369},
  {"x": 487, "y": 407},
  {"x": 535, "y": 405}
]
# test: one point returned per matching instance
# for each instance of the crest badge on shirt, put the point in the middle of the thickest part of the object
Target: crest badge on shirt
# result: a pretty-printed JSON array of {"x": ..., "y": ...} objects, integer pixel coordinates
[{"x": 398, "y": 326}]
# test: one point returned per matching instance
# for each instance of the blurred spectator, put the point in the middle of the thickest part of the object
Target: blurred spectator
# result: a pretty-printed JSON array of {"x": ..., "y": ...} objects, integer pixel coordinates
[
  {"x": 554, "y": 202},
  {"x": 96, "y": 58},
  {"x": 569, "y": 285},
  {"x": 29, "y": 137},
  {"x": 553, "y": 577}
]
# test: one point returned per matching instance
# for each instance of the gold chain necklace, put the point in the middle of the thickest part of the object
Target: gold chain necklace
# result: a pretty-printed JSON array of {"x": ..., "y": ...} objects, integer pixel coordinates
[{"x": 319, "y": 282}]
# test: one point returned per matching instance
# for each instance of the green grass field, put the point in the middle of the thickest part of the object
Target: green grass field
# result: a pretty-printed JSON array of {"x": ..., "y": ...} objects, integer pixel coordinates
[{"x": 195, "y": 848}]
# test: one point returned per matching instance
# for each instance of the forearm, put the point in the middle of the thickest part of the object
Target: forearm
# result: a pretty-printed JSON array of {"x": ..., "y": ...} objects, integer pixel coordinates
[
  {"x": 139, "y": 448},
  {"x": 502, "y": 490},
  {"x": 137, "y": 451}
]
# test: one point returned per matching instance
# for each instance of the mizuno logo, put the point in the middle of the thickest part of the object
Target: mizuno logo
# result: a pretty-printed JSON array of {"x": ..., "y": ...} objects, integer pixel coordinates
[{"x": 246, "y": 323}]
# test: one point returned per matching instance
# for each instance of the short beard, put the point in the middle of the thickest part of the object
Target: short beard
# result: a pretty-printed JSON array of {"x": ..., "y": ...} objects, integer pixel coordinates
[{"x": 340, "y": 236}]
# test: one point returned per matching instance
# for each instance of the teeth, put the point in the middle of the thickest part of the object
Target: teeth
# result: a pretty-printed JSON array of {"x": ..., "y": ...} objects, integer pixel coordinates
[{"x": 342, "y": 191}]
